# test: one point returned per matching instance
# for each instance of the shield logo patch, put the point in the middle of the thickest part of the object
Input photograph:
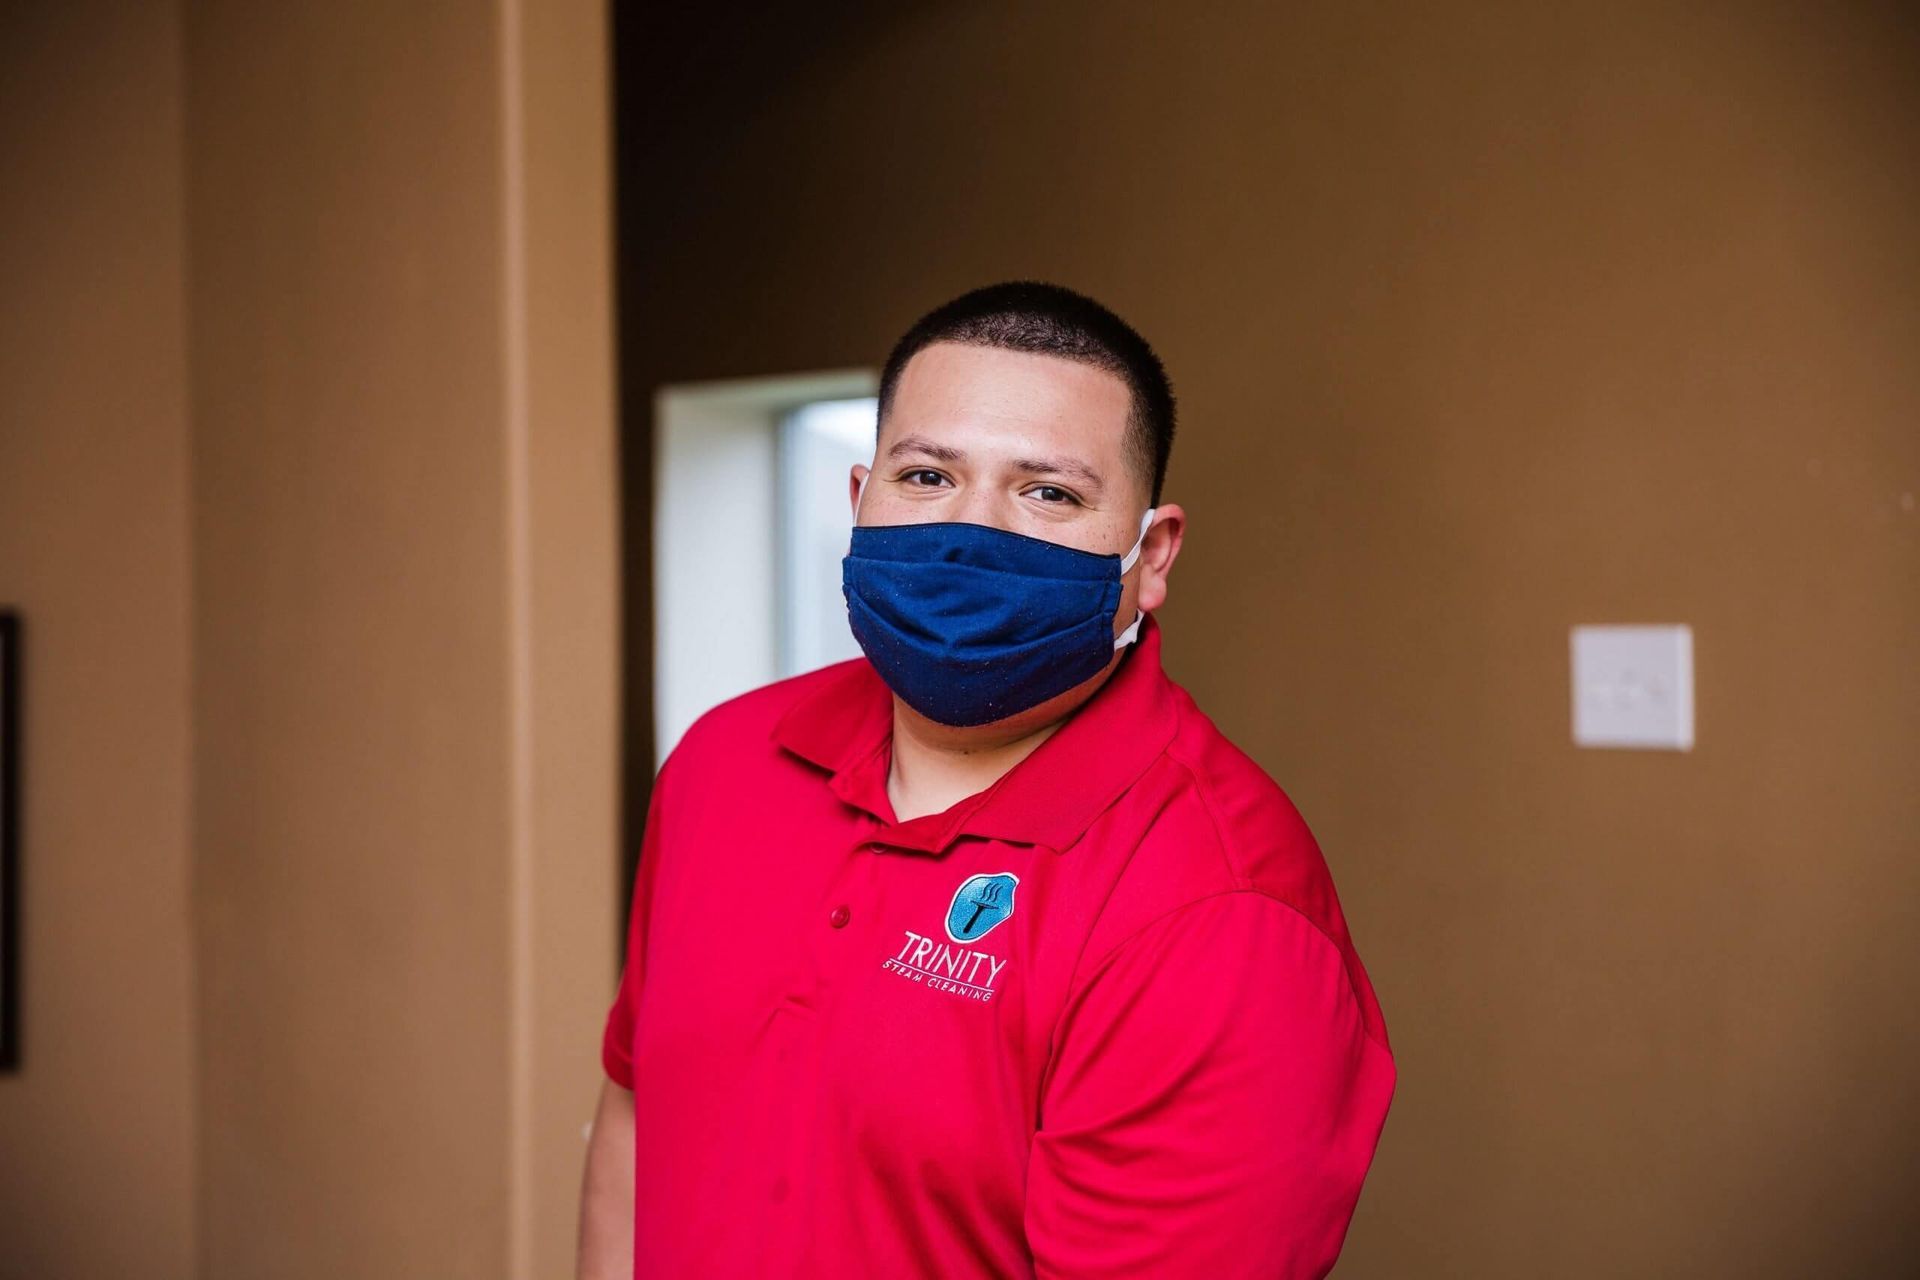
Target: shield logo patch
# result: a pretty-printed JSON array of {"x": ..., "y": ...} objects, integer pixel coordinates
[{"x": 980, "y": 903}]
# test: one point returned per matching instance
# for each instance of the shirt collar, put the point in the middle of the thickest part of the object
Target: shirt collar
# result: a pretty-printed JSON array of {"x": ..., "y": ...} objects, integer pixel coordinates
[{"x": 845, "y": 726}]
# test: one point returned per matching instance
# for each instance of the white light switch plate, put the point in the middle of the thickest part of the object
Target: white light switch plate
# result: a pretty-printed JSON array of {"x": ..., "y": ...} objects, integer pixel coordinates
[{"x": 1633, "y": 687}]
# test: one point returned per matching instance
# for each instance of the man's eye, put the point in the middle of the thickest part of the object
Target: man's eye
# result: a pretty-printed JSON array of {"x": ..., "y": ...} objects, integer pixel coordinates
[
  {"x": 925, "y": 478},
  {"x": 1050, "y": 493}
]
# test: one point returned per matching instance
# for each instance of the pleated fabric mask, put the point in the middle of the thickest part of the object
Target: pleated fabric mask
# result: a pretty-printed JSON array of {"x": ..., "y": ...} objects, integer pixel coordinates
[{"x": 969, "y": 624}]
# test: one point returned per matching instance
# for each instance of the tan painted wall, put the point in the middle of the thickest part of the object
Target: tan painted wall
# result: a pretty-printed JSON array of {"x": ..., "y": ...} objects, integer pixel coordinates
[
  {"x": 404, "y": 542},
  {"x": 353, "y": 769},
  {"x": 1487, "y": 320},
  {"x": 308, "y": 495},
  {"x": 96, "y": 1131},
  {"x": 564, "y": 443}
]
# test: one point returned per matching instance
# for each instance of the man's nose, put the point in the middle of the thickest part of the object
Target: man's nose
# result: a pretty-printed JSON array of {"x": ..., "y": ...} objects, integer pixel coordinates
[{"x": 984, "y": 506}]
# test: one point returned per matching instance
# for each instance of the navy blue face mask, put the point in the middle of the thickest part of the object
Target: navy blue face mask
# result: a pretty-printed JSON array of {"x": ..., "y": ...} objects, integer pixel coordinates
[{"x": 969, "y": 624}]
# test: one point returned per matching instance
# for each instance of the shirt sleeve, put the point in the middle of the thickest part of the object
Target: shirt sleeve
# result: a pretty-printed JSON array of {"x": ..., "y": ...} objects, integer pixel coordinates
[
  {"x": 616, "y": 1040},
  {"x": 1213, "y": 1103}
]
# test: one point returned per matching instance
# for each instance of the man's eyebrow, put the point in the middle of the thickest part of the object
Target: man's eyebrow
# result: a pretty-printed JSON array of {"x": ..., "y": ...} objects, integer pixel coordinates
[
  {"x": 920, "y": 444},
  {"x": 1078, "y": 470}
]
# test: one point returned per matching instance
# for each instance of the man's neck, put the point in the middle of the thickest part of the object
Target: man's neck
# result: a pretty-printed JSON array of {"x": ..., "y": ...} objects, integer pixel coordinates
[{"x": 935, "y": 767}]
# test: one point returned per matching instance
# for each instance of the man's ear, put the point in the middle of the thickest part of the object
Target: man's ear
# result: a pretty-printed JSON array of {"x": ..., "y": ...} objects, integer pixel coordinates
[
  {"x": 1158, "y": 550},
  {"x": 854, "y": 480}
]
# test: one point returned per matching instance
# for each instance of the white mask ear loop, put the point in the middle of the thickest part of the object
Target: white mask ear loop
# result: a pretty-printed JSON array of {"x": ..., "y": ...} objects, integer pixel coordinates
[{"x": 1127, "y": 562}]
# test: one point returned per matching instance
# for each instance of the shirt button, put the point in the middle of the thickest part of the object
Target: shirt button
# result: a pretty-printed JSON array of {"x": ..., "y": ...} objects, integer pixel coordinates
[{"x": 839, "y": 917}]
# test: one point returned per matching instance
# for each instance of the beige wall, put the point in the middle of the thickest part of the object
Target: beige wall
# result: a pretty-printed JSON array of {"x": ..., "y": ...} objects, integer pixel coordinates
[
  {"x": 353, "y": 771},
  {"x": 404, "y": 546},
  {"x": 96, "y": 1131},
  {"x": 312, "y": 489},
  {"x": 1486, "y": 321}
]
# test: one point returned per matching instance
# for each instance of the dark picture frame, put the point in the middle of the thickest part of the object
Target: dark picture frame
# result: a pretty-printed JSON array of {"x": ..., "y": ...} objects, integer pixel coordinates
[{"x": 9, "y": 840}]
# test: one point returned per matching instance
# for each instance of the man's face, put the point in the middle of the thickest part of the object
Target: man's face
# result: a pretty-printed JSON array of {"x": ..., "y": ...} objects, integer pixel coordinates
[{"x": 1030, "y": 443}]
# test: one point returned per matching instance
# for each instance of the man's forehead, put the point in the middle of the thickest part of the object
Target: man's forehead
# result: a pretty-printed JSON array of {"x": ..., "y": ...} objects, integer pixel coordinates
[
  {"x": 945, "y": 371},
  {"x": 954, "y": 389}
]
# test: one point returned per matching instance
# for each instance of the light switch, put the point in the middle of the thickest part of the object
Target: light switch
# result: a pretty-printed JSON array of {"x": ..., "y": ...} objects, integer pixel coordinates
[{"x": 1633, "y": 687}]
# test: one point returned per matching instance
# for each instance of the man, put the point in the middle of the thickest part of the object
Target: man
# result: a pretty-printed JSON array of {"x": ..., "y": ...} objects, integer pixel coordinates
[{"x": 987, "y": 955}]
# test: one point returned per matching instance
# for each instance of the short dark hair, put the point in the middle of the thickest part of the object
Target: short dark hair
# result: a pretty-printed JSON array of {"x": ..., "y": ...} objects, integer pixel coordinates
[{"x": 1049, "y": 319}]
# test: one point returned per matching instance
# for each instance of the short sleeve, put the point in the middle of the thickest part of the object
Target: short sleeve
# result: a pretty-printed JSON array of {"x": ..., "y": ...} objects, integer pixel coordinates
[
  {"x": 616, "y": 1040},
  {"x": 1213, "y": 1103}
]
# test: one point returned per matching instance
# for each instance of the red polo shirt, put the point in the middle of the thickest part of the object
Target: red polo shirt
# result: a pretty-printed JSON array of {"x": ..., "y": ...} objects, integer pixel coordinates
[{"x": 1102, "y": 1019}]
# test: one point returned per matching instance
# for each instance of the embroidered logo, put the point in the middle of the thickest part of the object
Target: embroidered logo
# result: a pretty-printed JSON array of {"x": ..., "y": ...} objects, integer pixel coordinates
[{"x": 980, "y": 903}]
